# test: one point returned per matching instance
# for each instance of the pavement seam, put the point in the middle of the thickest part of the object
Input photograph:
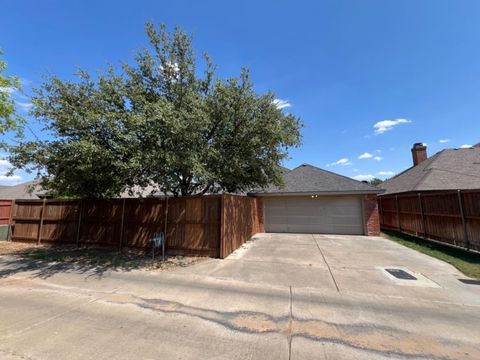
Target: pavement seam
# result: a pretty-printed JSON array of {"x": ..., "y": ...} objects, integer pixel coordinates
[{"x": 326, "y": 263}]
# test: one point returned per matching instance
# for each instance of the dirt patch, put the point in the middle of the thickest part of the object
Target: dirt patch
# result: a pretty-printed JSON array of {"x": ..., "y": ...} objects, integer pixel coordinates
[
  {"x": 15, "y": 248},
  {"x": 104, "y": 258}
]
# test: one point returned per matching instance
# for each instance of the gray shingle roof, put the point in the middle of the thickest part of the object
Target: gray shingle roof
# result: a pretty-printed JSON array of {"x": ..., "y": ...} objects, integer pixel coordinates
[
  {"x": 27, "y": 190},
  {"x": 308, "y": 179},
  {"x": 449, "y": 169}
]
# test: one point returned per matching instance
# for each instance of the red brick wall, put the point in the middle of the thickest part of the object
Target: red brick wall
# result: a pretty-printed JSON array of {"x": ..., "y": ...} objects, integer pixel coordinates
[
  {"x": 261, "y": 224},
  {"x": 372, "y": 219}
]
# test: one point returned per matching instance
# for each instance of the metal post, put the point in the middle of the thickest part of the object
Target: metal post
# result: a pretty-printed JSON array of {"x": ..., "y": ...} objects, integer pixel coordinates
[
  {"x": 466, "y": 241},
  {"x": 121, "y": 225},
  {"x": 42, "y": 210},
  {"x": 398, "y": 213},
  {"x": 424, "y": 224}
]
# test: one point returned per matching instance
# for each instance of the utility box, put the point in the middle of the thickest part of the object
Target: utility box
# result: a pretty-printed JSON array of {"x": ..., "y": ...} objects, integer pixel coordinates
[{"x": 4, "y": 232}]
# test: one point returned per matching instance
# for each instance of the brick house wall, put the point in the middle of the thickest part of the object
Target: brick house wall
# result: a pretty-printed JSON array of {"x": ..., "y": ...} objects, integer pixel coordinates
[{"x": 371, "y": 216}]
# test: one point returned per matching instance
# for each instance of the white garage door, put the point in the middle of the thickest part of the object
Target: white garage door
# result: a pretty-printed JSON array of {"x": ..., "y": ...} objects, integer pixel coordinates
[{"x": 322, "y": 215}]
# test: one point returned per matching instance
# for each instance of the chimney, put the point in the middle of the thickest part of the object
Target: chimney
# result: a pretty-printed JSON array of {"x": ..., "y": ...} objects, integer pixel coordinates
[{"x": 419, "y": 153}]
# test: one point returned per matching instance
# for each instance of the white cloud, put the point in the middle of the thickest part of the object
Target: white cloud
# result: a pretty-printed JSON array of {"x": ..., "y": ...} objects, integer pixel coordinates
[
  {"x": 443, "y": 141},
  {"x": 386, "y": 173},
  {"x": 5, "y": 166},
  {"x": 366, "y": 177},
  {"x": 7, "y": 89},
  {"x": 465, "y": 146},
  {"x": 11, "y": 178},
  {"x": 281, "y": 104},
  {"x": 24, "y": 106},
  {"x": 386, "y": 125},
  {"x": 365, "y": 155},
  {"x": 378, "y": 158},
  {"x": 342, "y": 162},
  {"x": 356, "y": 170}
]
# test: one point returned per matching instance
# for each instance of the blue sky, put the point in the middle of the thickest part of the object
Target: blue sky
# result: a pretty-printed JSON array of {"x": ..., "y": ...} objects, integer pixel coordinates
[{"x": 411, "y": 67}]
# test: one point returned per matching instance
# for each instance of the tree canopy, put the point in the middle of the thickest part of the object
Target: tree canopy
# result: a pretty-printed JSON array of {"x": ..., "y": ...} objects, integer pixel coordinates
[
  {"x": 164, "y": 120},
  {"x": 9, "y": 121},
  {"x": 375, "y": 181}
]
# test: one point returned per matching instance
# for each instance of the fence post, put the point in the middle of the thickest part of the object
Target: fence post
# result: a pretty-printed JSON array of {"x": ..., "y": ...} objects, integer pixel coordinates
[
  {"x": 10, "y": 225},
  {"x": 165, "y": 226},
  {"x": 424, "y": 224},
  {"x": 80, "y": 210},
  {"x": 466, "y": 242},
  {"x": 121, "y": 225},
  {"x": 398, "y": 213},
  {"x": 222, "y": 226},
  {"x": 40, "y": 226}
]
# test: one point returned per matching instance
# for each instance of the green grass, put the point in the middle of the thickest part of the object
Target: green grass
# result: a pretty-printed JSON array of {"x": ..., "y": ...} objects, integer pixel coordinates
[{"x": 467, "y": 262}]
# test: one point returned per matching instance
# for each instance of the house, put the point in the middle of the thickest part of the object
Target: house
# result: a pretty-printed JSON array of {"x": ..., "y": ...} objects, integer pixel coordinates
[
  {"x": 30, "y": 190},
  {"x": 449, "y": 169},
  {"x": 314, "y": 200},
  {"x": 437, "y": 198}
]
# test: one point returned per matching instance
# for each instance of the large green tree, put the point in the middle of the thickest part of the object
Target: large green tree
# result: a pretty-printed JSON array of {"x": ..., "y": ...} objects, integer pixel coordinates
[
  {"x": 164, "y": 120},
  {"x": 9, "y": 121}
]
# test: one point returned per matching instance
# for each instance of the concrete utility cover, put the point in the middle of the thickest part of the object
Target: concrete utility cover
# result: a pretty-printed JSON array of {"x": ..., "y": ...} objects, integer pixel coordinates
[
  {"x": 401, "y": 274},
  {"x": 405, "y": 277}
]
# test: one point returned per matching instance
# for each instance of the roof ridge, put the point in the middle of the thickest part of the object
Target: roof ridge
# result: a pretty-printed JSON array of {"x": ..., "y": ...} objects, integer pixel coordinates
[
  {"x": 422, "y": 178},
  {"x": 431, "y": 160},
  {"x": 336, "y": 174}
]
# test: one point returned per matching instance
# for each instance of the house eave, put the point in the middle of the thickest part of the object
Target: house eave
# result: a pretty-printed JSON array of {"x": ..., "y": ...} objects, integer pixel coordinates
[{"x": 323, "y": 193}]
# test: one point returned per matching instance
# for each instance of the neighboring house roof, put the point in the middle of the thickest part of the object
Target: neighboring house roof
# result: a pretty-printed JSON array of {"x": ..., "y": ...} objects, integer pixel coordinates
[
  {"x": 307, "y": 179},
  {"x": 32, "y": 190},
  {"x": 449, "y": 169},
  {"x": 27, "y": 190}
]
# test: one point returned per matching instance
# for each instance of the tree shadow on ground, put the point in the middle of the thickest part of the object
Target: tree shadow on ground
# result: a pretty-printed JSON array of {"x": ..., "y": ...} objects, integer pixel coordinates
[{"x": 46, "y": 261}]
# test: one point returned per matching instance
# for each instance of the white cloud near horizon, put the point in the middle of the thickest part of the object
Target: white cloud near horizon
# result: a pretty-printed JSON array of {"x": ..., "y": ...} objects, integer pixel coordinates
[
  {"x": 443, "y": 141},
  {"x": 281, "y": 104},
  {"x": 365, "y": 155},
  {"x": 11, "y": 178},
  {"x": 465, "y": 146},
  {"x": 387, "y": 125},
  {"x": 386, "y": 173},
  {"x": 341, "y": 162},
  {"x": 5, "y": 166},
  {"x": 366, "y": 177}
]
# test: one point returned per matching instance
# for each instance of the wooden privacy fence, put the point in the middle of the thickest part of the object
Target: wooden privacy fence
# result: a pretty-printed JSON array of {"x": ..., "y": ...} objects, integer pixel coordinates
[
  {"x": 5, "y": 211},
  {"x": 208, "y": 226},
  {"x": 451, "y": 217}
]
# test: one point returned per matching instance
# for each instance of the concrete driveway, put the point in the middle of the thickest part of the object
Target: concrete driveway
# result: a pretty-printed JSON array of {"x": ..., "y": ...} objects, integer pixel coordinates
[{"x": 280, "y": 297}]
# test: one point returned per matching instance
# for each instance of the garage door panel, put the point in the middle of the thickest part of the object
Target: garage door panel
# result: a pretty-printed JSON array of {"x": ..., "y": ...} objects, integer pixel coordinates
[{"x": 340, "y": 215}]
